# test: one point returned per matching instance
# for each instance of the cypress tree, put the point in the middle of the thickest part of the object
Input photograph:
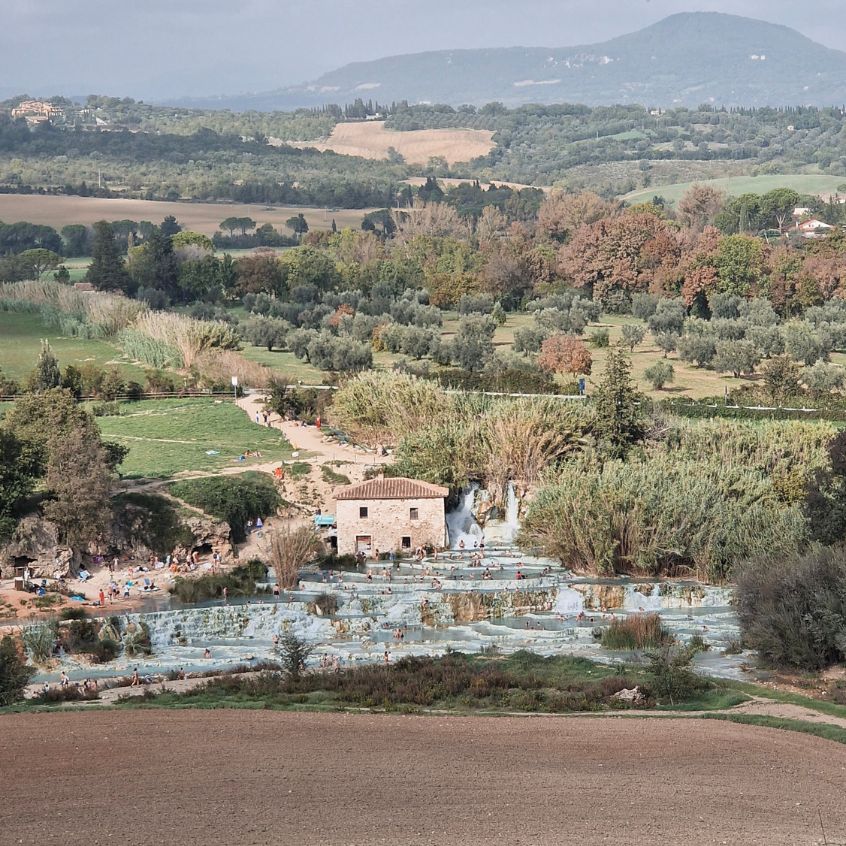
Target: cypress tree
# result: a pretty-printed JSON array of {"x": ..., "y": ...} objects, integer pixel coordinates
[
  {"x": 46, "y": 374},
  {"x": 107, "y": 271},
  {"x": 619, "y": 423}
]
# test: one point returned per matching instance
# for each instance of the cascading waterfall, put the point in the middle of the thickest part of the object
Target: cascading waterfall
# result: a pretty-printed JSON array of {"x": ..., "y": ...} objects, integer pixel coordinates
[
  {"x": 462, "y": 524},
  {"x": 512, "y": 511}
]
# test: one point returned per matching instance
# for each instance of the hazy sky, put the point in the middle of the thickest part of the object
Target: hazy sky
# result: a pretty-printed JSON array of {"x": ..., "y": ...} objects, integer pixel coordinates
[{"x": 170, "y": 48}]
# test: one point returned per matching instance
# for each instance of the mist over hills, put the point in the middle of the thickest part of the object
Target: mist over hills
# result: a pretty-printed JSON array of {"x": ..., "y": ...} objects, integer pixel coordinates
[{"x": 684, "y": 60}]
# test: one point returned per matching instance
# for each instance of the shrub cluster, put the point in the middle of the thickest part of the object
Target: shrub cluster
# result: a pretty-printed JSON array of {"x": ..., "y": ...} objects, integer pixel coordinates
[
  {"x": 235, "y": 499},
  {"x": 792, "y": 609},
  {"x": 524, "y": 681},
  {"x": 238, "y": 582}
]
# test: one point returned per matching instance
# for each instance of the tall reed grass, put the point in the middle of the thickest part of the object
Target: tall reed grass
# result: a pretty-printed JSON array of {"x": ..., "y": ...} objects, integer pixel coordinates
[
  {"x": 189, "y": 337},
  {"x": 766, "y": 445},
  {"x": 109, "y": 313},
  {"x": 657, "y": 515},
  {"x": 216, "y": 367},
  {"x": 641, "y": 631},
  {"x": 382, "y": 408},
  {"x": 494, "y": 439},
  {"x": 143, "y": 348}
]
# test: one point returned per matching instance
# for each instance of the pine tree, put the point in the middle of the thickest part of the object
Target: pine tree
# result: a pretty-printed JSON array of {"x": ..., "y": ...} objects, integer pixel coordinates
[
  {"x": 170, "y": 226},
  {"x": 618, "y": 424}
]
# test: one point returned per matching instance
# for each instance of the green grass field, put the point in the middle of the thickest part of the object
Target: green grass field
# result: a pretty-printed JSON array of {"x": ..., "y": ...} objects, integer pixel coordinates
[
  {"x": 286, "y": 364},
  {"x": 804, "y": 183},
  {"x": 20, "y": 343},
  {"x": 21, "y": 334},
  {"x": 77, "y": 267},
  {"x": 167, "y": 437}
]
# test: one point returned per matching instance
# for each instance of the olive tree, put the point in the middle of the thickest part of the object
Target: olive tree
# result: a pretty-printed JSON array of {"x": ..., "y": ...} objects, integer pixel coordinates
[
  {"x": 633, "y": 334},
  {"x": 736, "y": 357},
  {"x": 659, "y": 374}
]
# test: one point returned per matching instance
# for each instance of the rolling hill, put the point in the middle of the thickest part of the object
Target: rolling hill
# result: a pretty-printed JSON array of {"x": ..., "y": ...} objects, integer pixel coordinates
[{"x": 684, "y": 60}]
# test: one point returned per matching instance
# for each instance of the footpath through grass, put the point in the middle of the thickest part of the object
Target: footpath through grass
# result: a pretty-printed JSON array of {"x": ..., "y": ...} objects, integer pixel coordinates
[
  {"x": 166, "y": 437},
  {"x": 831, "y": 709}
]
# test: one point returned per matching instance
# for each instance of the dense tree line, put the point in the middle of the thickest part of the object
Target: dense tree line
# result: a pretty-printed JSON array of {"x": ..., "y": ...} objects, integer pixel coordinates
[
  {"x": 147, "y": 146},
  {"x": 224, "y": 166},
  {"x": 539, "y": 144}
]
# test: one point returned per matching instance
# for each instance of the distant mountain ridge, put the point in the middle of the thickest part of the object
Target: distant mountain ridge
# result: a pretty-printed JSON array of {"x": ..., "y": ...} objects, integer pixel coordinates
[{"x": 684, "y": 60}]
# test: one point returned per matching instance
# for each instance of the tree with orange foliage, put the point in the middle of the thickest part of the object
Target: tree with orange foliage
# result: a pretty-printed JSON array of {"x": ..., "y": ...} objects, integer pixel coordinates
[
  {"x": 565, "y": 354},
  {"x": 561, "y": 214},
  {"x": 342, "y": 311},
  {"x": 619, "y": 254}
]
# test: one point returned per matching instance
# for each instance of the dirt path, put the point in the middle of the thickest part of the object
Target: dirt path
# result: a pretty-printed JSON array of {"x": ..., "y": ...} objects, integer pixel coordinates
[
  {"x": 317, "y": 449},
  {"x": 247, "y": 777},
  {"x": 783, "y": 710},
  {"x": 311, "y": 439}
]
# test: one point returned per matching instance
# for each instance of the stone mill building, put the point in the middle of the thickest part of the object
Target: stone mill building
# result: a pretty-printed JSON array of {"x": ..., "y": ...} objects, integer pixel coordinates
[{"x": 390, "y": 514}]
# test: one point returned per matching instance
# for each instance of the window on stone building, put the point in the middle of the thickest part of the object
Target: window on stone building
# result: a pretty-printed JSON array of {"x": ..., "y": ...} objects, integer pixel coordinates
[
  {"x": 362, "y": 511},
  {"x": 406, "y": 541},
  {"x": 414, "y": 513}
]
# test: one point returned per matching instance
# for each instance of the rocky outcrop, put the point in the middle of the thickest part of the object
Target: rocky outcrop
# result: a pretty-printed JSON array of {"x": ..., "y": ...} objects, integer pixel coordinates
[
  {"x": 141, "y": 526},
  {"x": 602, "y": 597},
  {"x": 207, "y": 533},
  {"x": 35, "y": 544},
  {"x": 152, "y": 523}
]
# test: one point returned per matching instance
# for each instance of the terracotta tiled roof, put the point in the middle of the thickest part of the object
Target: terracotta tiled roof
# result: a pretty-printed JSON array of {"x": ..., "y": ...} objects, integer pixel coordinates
[{"x": 391, "y": 488}]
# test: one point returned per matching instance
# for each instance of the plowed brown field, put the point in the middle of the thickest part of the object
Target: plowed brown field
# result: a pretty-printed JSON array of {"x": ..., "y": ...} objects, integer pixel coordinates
[{"x": 252, "y": 777}]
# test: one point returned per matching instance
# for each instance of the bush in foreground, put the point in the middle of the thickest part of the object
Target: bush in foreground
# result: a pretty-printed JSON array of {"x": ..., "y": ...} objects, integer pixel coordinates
[
  {"x": 15, "y": 673},
  {"x": 672, "y": 678},
  {"x": 792, "y": 609},
  {"x": 641, "y": 631}
]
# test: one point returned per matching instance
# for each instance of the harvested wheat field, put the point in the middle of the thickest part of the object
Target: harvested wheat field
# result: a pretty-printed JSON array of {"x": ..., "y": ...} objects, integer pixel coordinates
[
  {"x": 372, "y": 141},
  {"x": 254, "y": 777},
  {"x": 59, "y": 211}
]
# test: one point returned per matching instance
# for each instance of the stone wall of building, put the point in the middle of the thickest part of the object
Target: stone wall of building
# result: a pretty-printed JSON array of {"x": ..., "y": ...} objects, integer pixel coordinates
[{"x": 388, "y": 521}]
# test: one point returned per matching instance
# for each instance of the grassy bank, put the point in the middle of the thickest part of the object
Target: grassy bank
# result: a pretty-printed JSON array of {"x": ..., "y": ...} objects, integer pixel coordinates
[
  {"x": 20, "y": 344},
  {"x": 166, "y": 437},
  {"x": 457, "y": 683},
  {"x": 823, "y": 730}
]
